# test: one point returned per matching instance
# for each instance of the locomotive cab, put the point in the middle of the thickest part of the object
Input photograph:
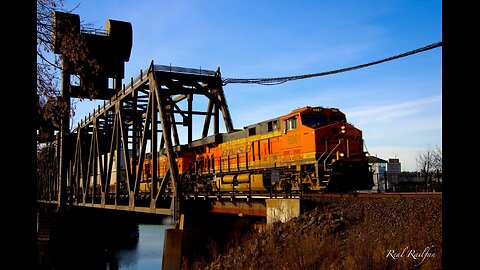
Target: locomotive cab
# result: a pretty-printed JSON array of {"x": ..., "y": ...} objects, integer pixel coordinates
[
  {"x": 330, "y": 146},
  {"x": 318, "y": 117}
]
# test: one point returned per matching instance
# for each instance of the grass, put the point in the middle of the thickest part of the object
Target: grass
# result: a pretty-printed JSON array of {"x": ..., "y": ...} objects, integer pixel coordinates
[{"x": 342, "y": 233}]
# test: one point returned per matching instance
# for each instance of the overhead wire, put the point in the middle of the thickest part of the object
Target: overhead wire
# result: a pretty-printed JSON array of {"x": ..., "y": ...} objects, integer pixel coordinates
[{"x": 280, "y": 80}]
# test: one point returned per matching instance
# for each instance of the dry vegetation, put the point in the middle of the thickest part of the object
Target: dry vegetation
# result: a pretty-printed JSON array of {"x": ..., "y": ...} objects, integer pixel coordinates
[{"x": 346, "y": 233}]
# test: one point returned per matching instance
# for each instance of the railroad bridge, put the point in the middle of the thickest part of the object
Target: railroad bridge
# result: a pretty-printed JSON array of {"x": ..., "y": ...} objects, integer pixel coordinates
[
  {"x": 111, "y": 144},
  {"x": 98, "y": 164},
  {"x": 143, "y": 117}
]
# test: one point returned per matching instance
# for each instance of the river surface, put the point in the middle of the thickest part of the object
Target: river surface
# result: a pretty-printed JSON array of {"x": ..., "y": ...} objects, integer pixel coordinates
[
  {"x": 144, "y": 252},
  {"x": 146, "y": 255}
]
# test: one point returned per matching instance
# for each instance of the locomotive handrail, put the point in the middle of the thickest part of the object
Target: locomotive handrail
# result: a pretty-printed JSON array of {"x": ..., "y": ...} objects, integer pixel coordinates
[
  {"x": 318, "y": 160},
  {"x": 326, "y": 148},
  {"x": 325, "y": 161}
]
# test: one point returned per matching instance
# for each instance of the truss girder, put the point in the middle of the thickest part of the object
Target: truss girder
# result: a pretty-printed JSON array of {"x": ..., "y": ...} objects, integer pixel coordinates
[{"x": 137, "y": 124}]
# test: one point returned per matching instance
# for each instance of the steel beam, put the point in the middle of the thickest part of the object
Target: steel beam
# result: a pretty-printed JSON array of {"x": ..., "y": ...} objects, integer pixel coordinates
[
  {"x": 131, "y": 119},
  {"x": 63, "y": 138}
]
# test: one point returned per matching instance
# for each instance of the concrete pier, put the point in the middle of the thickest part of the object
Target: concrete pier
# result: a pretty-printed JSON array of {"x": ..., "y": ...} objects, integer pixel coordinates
[
  {"x": 282, "y": 209},
  {"x": 172, "y": 249}
]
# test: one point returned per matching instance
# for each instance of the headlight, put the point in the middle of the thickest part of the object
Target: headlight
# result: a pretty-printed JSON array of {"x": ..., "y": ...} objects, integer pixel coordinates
[
  {"x": 342, "y": 131},
  {"x": 341, "y": 154}
]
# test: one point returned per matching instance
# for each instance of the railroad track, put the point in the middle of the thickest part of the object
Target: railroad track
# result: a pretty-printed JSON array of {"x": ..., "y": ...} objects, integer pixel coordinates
[
  {"x": 279, "y": 195},
  {"x": 376, "y": 195}
]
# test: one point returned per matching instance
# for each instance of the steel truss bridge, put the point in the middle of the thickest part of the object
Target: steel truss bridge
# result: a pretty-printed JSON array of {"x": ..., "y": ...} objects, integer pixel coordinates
[
  {"x": 138, "y": 122},
  {"x": 113, "y": 142}
]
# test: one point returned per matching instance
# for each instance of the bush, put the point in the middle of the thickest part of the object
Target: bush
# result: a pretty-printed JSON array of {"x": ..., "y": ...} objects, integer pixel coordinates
[{"x": 345, "y": 233}]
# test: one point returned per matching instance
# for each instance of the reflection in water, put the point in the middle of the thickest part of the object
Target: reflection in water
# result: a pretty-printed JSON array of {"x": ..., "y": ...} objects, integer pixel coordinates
[
  {"x": 146, "y": 255},
  {"x": 82, "y": 251}
]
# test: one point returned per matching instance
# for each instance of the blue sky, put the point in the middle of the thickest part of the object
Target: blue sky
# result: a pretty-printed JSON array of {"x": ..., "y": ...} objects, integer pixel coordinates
[{"x": 397, "y": 104}]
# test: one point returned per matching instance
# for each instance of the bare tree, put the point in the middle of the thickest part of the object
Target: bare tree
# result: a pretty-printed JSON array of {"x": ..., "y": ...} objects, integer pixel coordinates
[
  {"x": 429, "y": 164},
  {"x": 51, "y": 106},
  {"x": 46, "y": 171}
]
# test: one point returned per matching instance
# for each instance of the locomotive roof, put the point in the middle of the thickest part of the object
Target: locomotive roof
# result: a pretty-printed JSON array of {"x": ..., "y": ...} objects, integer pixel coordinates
[
  {"x": 259, "y": 128},
  {"x": 302, "y": 109}
]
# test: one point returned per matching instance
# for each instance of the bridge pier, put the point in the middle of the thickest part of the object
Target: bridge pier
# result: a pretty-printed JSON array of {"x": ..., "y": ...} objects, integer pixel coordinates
[
  {"x": 185, "y": 241},
  {"x": 200, "y": 230},
  {"x": 178, "y": 244},
  {"x": 172, "y": 249},
  {"x": 282, "y": 209},
  {"x": 65, "y": 234}
]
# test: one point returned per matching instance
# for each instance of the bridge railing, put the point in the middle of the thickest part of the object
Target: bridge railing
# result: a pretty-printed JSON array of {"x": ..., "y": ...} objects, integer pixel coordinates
[{"x": 184, "y": 70}]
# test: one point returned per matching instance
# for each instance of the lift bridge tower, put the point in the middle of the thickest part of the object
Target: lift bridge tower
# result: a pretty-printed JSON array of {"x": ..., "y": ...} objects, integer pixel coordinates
[{"x": 144, "y": 112}]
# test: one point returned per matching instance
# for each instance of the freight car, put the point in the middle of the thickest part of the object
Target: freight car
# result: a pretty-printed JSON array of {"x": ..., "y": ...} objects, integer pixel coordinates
[{"x": 309, "y": 149}]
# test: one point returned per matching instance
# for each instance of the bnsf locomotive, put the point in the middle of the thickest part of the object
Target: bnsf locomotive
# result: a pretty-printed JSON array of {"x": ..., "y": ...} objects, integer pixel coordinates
[{"x": 309, "y": 149}]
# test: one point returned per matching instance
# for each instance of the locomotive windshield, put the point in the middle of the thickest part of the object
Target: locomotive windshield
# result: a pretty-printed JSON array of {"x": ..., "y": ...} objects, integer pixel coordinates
[
  {"x": 314, "y": 120},
  {"x": 337, "y": 117},
  {"x": 318, "y": 120}
]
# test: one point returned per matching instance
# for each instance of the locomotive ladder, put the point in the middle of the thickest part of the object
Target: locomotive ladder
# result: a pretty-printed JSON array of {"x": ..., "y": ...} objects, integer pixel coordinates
[{"x": 327, "y": 167}]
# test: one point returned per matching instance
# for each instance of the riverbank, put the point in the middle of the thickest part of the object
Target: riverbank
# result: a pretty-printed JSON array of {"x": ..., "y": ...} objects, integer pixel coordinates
[{"x": 343, "y": 233}]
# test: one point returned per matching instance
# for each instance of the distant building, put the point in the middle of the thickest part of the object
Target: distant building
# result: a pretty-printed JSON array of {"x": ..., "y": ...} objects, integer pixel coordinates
[
  {"x": 394, "y": 168},
  {"x": 414, "y": 182},
  {"x": 379, "y": 168}
]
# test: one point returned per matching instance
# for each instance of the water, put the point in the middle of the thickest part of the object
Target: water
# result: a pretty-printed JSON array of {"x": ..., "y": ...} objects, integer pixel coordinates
[
  {"x": 75, "y": 250},
  {"x": 146, "y": 255}
]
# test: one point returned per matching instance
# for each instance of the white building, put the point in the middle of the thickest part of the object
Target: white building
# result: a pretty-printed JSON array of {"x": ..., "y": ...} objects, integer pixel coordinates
[
  {"x": 379, "y": 168},
  {"x": 394, "y": 168}
]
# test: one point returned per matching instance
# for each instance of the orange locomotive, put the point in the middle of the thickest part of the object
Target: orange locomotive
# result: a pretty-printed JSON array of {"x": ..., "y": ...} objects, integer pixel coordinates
[{"x": 309, "y": 149}]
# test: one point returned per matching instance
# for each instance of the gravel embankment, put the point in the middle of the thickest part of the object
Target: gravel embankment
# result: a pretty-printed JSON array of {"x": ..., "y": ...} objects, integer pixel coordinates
[{"x": 345, "y": 233}]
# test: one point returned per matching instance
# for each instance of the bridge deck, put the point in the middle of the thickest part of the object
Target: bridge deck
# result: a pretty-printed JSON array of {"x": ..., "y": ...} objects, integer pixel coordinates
[{"x": 242, "y": 205}]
